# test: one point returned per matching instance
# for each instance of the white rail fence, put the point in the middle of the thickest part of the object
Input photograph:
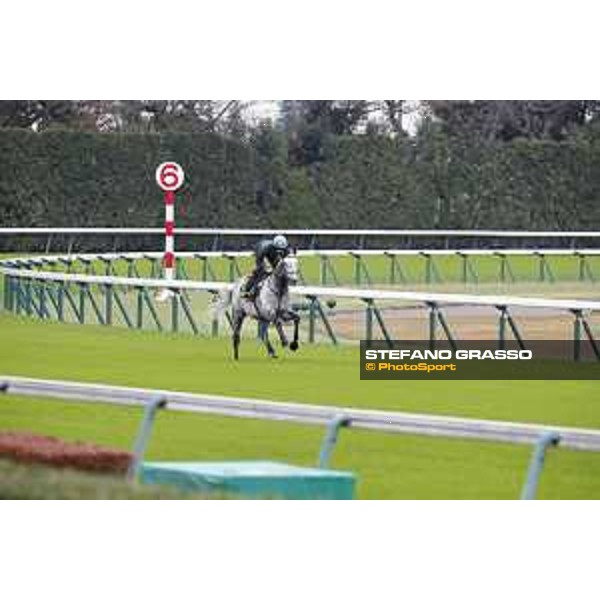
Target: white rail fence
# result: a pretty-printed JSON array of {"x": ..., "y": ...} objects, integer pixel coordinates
[
  {"x": 494, "y": 233},
  {"x": 394, "y": 272},
  {"x": 219, "y": 238},
  {"x": 335, "y": 418},
  {"x": 301, "y": 413},
  {"x": 424, "y": 298},
  {"x": 44, "y": 294}
]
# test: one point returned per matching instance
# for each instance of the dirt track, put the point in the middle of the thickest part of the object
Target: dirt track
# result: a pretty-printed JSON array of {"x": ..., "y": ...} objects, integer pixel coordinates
[
  {"x": 31, "y": 448},
  {"x": 465, "y": 322}
]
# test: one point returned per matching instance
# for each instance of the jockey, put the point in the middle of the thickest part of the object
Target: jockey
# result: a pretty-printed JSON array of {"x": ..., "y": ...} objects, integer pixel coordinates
[{"x": 267, "y": 253}]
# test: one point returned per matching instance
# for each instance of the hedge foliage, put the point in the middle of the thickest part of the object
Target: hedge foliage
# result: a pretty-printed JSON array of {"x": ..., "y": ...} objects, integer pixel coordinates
[
  {"x": 66, "y": 179},
  {"x": 75, "y": 179}
]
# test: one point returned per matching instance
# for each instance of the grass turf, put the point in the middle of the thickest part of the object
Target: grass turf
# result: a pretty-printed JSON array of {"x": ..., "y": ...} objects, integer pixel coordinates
[
  {"x": 389, "y": 466},
  {"x": 319, "y": 374},
  {"x": 40, "y": 482}
]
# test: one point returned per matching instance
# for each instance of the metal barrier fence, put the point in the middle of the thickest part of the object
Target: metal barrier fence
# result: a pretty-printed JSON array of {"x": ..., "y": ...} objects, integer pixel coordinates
[
  {"x": 102, "y": 298},
  {"x": 136, "y": 238},
  {"x": 393, "y": 267},
  {"x": 302, "y": 413}
]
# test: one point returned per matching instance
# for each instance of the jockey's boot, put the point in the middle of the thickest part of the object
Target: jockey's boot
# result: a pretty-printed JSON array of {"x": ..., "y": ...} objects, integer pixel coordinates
[{"x": 245, "y": 291}]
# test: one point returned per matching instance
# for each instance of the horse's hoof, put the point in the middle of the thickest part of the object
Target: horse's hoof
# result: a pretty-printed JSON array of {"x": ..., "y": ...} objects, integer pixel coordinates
[
  {"x": 294, "y": 346},
  {"x": 273, "y": 355}
]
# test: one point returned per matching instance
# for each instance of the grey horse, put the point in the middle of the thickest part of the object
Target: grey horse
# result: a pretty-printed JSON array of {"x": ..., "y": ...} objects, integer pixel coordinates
[{"x": 271, "y": 306}]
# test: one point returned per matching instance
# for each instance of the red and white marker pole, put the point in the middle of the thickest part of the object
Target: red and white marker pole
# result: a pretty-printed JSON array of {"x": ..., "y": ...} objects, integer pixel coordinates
[
  {"x": 169, "y": 177},
  {"x": 169, "y": 256}
]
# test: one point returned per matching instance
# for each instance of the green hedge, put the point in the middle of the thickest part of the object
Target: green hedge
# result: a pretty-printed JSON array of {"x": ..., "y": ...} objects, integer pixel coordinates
[
  {"x": 64, "y": 178},
  {"x": 83, "y": 179}
]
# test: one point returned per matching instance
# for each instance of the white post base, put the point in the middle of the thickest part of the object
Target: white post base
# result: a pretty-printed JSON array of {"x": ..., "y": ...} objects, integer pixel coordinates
[{"x": 163, "y": 295}]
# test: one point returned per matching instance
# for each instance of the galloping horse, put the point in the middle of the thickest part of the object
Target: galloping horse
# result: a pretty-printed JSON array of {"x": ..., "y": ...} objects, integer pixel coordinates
[{"x": 271, "y": 305}]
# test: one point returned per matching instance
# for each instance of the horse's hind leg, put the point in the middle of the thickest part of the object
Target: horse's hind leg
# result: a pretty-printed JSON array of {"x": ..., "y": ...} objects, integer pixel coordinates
[
  {"x": 237, "y": 322},
  {"x": 264, "y": 335}
]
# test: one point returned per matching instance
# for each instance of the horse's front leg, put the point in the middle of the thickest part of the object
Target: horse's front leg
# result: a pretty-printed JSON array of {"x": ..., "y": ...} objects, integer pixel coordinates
[
  {"x": 295, "y": 342},
  {"x": 290, "y": 315},
  {"x": 264, "y": 335},
  {"x": 281, "y": 332}
]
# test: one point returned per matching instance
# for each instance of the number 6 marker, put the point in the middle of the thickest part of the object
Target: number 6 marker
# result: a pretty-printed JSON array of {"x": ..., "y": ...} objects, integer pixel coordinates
[{"x": 169, "y": 177}]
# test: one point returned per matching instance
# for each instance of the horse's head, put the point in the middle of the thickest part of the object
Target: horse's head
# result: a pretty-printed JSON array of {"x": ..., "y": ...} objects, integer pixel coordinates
[
  {"x": 288, "y": 268},
  {"x": 291, "y": 268}
]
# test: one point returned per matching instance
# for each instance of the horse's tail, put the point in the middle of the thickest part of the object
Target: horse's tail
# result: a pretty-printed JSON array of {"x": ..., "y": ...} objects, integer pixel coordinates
[{"x": 221, "y": 302}]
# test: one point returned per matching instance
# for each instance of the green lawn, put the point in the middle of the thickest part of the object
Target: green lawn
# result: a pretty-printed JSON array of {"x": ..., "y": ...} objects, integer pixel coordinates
[
  {"x": 40, "y": 482},
  {"x": 317, "y": 373},
  {"x": 389, "y": 466}
]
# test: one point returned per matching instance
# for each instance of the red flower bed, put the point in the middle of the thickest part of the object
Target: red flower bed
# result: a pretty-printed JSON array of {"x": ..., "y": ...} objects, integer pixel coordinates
[{"x": 27, "y": 447}]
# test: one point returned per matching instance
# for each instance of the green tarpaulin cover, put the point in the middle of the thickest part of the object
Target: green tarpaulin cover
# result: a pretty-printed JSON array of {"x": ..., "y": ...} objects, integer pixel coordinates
[{"x": 252, "y": 479}]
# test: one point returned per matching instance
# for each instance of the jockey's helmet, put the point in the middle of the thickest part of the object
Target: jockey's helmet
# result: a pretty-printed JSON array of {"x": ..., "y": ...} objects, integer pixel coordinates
[{"x": 280, "y": 242}]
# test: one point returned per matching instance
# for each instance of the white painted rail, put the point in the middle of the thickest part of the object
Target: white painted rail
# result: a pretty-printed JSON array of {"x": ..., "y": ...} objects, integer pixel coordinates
[
  {"x": 316, "y": 291},
  {"x": 41, "y": 259},
  {"x": 376, "y": 420},
  {"x": 494, "y": 233}
]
